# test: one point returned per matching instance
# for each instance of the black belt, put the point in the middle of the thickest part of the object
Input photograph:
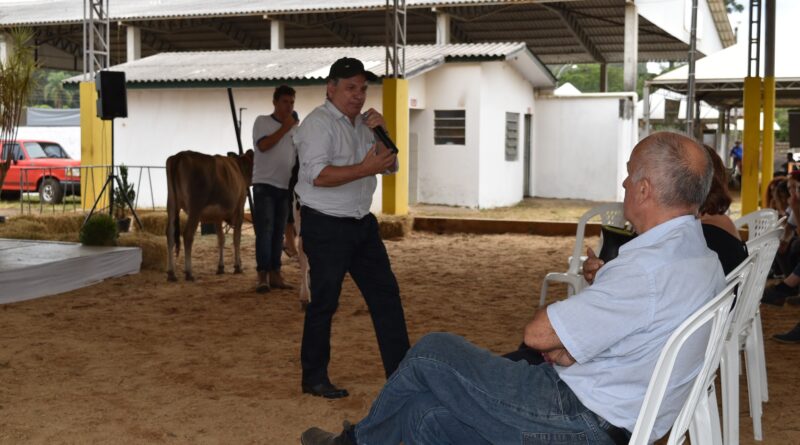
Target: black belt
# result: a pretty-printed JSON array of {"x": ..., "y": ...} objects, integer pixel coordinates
[
  {"x": 318, "y": 213},
  {"x": 620, "y": 436}
]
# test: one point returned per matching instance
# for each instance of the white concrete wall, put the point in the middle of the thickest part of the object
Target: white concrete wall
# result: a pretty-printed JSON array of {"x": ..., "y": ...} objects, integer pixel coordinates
[
  {"x": 162, "y": 122},
  {"x": 503, "y": 90},
  {"x": 580, "y": 146},
  {"x": 67, "y": 137},
  {"x": 448, "y": 174}
]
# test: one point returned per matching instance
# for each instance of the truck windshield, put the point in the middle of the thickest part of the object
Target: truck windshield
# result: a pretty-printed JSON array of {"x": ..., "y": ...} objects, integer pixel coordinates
[
  {"x": 35, "y": 151},
  {"x": 54, "y": 150}
]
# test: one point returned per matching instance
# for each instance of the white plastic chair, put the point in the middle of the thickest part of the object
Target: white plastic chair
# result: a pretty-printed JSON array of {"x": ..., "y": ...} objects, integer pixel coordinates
[
  {"x": 610, "y": 214},
  {"x": 758, "y": 222},
  {"x": 746, "y": 336},
  {"x": 717, "y": 315}
]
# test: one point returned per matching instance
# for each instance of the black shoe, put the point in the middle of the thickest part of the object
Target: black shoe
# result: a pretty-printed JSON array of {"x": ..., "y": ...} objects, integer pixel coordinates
[
  {"x": 792, "y": 336},
  {"x": 776, "y": 295},
  {"x": 316, "y": 436},
  {"x": 326, "y": 390}
]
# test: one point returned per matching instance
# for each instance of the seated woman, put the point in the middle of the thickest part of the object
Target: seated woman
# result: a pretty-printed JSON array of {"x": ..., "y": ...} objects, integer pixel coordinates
[{"x": 718, "y": 228}]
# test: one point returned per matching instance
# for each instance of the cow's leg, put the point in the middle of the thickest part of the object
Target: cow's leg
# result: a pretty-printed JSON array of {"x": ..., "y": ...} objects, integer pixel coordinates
[
  {"x": 170, "y": 250},
  {"x": 221, "y": 247},
  {"x": 188, "y": 238},
  {"x": 305, "y": 269},
  {"x": 237, "y": 242}
]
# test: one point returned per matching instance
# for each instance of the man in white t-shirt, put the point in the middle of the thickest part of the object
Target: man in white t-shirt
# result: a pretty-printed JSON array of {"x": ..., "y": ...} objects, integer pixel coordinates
[{"x": 275, "y": 155}]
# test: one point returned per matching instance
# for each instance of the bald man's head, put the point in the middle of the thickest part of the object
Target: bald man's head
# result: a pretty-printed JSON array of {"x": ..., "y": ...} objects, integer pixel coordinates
[{"x": 677, "y": 166}]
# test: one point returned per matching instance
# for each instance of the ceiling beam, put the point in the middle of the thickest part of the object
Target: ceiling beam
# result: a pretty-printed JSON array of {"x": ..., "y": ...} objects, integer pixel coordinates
[
  {"x": 233, "y": 32},
  {"x": 333, "y": 26},
  {"x": 52, "y": 38},
  {"x": 571, "y": 21},
  {"x": 155, "y": 42}
]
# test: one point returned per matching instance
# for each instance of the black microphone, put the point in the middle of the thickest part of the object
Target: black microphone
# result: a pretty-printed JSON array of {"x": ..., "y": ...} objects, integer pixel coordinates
[{"x": 383, "y": 136}]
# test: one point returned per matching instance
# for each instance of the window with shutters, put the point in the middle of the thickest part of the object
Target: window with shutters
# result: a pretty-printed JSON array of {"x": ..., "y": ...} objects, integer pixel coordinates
[{"x": 449, "y": 127}]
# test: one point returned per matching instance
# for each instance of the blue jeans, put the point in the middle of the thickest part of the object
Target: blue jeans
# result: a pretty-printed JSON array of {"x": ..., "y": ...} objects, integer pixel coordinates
[
  {"x": 270, "y": 207},
  {"x": 448, "y": 391}
]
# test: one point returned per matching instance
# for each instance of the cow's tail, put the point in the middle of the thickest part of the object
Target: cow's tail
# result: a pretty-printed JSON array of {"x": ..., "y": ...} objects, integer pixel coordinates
[{"x": 173, "y": 210}]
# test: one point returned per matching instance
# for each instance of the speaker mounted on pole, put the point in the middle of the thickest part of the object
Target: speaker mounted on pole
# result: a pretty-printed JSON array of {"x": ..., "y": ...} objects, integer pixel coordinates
[{"x": 112, "y": 99}]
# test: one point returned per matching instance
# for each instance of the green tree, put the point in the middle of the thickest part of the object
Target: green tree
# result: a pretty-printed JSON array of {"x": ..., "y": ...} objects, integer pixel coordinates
[
  {"x": 16, "y": 82},
  {"x": 54, "y": 91},
  {"x": 782, "y": 119},
  {"x": 586, "y": 77}
]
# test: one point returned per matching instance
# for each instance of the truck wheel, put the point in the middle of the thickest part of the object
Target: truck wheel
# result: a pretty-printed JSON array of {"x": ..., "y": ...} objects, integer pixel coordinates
[{"x": 50, "y": 191}]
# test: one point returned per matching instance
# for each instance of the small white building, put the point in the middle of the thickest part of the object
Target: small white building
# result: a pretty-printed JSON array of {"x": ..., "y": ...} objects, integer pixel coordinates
[{"x": 485, "y": 129}]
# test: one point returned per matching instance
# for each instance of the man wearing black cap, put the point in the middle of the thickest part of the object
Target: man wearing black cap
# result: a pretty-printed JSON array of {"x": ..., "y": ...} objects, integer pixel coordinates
[{"x": 339, "y": 158}]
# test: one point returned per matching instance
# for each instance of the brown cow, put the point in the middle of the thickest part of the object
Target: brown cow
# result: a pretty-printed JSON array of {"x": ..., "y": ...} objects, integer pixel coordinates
[{"x": 209, "y": 189}]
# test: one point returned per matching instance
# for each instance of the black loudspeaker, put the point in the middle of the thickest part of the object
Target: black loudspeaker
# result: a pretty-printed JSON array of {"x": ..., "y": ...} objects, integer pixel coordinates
[
  {"x": 112, "y": 100},
  {"x": 794, "y": 128}
]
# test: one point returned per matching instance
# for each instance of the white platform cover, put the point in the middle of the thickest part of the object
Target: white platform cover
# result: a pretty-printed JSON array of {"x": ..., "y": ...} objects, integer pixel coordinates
[{"x": 32, "y": 269}]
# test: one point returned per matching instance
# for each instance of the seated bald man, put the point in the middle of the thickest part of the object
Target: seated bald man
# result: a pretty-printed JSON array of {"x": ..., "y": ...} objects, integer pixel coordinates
[{"x": 601, "y": 345}]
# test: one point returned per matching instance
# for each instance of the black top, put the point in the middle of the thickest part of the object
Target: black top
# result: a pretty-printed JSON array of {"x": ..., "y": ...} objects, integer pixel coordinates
[{"x": 730, "y": 250}]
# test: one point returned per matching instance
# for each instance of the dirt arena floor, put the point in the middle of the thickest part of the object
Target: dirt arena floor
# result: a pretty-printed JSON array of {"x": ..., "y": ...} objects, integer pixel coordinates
[{"x": 140, "y": 360}]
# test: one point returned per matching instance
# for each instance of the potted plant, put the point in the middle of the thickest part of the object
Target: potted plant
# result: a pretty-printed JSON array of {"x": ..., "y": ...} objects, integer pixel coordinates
[{"x": 121, "y": 194}]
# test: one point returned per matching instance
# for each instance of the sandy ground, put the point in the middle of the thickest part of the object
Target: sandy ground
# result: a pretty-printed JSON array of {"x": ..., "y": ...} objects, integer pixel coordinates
[{"x": 140, "y": 360}]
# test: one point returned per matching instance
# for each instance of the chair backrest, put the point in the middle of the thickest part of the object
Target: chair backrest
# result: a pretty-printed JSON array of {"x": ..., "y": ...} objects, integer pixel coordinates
[
  {"x": 758, "y": 222},
  {"x": 610, "y": 214},
  {"x": 717, "y": 314},
  {"x": 763, "y": 249}
]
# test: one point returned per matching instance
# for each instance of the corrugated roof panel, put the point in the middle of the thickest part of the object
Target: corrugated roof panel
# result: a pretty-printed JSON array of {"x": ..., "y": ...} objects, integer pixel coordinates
[{"x": 305, "y": 63}]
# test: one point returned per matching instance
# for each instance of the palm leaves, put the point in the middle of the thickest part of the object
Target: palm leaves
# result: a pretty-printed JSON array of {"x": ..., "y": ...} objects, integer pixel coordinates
[{"x": 16, "y": 82}]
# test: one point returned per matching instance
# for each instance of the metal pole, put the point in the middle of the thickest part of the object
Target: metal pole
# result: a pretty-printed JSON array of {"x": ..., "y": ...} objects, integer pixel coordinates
[
  {"x": 238, "y": 132},
  {"x": 690, "y": 99},
  {"x": 646, "y": 108}
]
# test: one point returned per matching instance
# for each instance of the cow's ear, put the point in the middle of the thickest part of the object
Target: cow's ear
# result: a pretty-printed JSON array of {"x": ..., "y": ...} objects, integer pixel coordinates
[
  {"x": 232, "y": 154},
  {"x": 249, "y": 153}
]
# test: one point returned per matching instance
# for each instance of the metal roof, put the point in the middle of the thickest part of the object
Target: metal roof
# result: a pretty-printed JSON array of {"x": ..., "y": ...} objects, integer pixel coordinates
[
  {"x": 311, "y": 65},
  {"x": 719, "y": 77},
  {"x": 570, "y": 31}
]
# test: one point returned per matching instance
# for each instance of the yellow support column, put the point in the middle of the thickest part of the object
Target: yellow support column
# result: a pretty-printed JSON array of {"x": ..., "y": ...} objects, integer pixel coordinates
[
  {"x": 95, "y": 148},
  {"x": 768, "y": 149},
  {"x": 751, "y": 140},
  {"x": 395, "y": 112}
]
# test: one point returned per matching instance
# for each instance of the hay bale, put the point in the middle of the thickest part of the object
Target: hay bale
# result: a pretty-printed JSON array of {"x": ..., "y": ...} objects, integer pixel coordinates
[
  {"x": 156, "y": 223},
  {"x": 394, "y": 227},
  {"x": 60, "y": 223},
  {"x": 51, "y": 228},
  {"x": 154, "y": 249}
]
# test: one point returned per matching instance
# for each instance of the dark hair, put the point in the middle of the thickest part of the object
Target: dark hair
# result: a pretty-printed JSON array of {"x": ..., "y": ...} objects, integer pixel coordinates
[
  {"x": 719, "y": 198},
  {"x": 283, "y": 90},
  {"x": 667, "y": 164}
]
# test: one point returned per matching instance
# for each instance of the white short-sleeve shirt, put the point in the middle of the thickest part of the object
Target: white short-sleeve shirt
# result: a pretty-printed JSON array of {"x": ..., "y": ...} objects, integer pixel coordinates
[
  {"x": 274, "y": 166},
  {"x": 616, "y": 328}
]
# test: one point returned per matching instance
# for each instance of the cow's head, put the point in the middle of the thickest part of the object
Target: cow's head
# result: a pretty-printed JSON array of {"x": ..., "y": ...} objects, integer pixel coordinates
[{"x": 245, "y": 163}]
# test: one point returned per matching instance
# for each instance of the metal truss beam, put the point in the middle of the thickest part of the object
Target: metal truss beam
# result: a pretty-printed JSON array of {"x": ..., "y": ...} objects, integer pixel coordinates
[
  {"x": 571, "y": 21},
  {"x": 239, "y": 36},
  {"x": 56, "y": 39}
]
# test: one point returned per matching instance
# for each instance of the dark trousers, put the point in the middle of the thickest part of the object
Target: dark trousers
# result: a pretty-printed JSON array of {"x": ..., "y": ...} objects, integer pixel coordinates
[
  {"x": 334, "y": 247},
  {"x": 270, "y": 206}
]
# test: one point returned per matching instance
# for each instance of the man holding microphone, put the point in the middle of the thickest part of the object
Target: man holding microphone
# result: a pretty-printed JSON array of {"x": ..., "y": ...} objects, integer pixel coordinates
[{"x": 339, "y": 158}]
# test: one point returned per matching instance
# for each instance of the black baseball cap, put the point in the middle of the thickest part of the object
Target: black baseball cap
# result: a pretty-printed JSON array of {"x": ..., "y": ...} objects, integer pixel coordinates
[{"x": 349, "y": 67}]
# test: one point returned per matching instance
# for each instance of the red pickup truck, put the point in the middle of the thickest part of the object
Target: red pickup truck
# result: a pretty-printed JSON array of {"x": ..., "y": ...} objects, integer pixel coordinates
[{"x": 42, "y": 166}]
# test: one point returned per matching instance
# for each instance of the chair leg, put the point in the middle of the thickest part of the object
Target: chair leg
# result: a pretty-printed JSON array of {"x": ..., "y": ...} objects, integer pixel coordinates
[
  {"x": 701, "y": 427},
  {"x": 729, "y": 384},
  {"x": 762, "y": 360},
  {"x": 543, "y": 293},
  {"x": 713, "y": 414},
  {"x": 753, "y": 384}
]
